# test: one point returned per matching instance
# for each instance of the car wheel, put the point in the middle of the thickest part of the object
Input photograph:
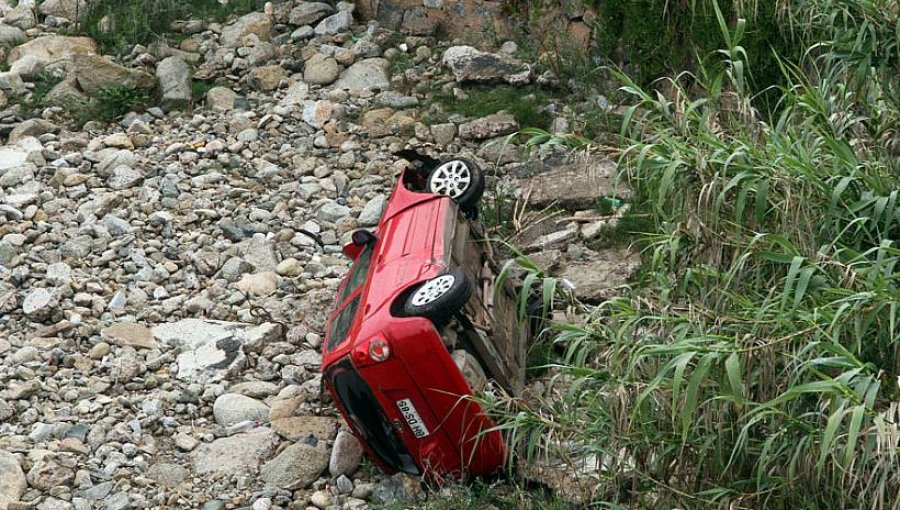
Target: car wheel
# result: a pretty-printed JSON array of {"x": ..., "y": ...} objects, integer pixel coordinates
[
  {"x": 439, "y": 298},
  {"x": 460, "y": 179}
]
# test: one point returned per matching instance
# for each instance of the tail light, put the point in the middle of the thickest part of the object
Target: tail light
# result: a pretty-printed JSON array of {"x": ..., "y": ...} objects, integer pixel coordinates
[{"x": 371, "y": 352}]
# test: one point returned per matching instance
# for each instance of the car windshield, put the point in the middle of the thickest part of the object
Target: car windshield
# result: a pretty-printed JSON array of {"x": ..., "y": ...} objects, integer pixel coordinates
[{"x": 340, "y": 324}]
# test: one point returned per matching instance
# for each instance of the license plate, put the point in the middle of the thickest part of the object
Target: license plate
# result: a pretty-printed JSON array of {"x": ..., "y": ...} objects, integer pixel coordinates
[{"x": 408, "y": 410}]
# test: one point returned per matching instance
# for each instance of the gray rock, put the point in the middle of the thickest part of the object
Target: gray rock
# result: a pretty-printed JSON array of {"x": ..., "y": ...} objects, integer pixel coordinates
[
  {"x": 32, "y": 127},
  {"x": 297, "y": 467},
  {"x": 309, "y": 13},
  {"x": 232, "y": 408},
  {"x": 575, "y": 184},
  {"x": 295, "y": 94},
  {"x": 124, "y": 177},
  {"x": 129, "y": 334},
  {"x": 40, "y": 303},
  {"x": 11, "y": 36},
  {"x": 318, "y": 113},
  {"x": 398, "y": 490},
  {"x": 335, "y": 23},
  {"x": 28, "y": 67},
  {"x": 213, "y": 350},
  {"x": 72, "y": 10},
  {"x": 240, "y": 454},
  {"x": 116, "y": 226},
  {"x": 12, "y": 479},
  {"x": 256, "y": 23},
  {"x": 221, "y": 99},
  {"x": 174, "y": 76},
  {"x": 95, "y": 73},
  {"x": 368, "y": 74},
  {"x": 321, "y": 70},
  {"x": 346, "y": 454},
  {"x": 468, "y": 64},
  {"x": 596, "y": 280},
  {"x": 48, "y": 473},
  {"x": 332, "y": 212},
  {"x": 168, "y": 475},
  {"x": 371, "y": 213},
  {"x": 499, "y": 124},
  {"x": 51, "y": 49}
]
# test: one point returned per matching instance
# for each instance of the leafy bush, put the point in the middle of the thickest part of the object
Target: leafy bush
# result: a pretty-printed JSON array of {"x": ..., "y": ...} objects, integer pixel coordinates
[
  {"x": 108, "y": 104},
  {"x": 755, "y": 363},
  {"x": 118, "y": 25}
]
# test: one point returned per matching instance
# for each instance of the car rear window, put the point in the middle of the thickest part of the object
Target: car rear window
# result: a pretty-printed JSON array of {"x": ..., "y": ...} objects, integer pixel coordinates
[{"x": 368, "y": 418}]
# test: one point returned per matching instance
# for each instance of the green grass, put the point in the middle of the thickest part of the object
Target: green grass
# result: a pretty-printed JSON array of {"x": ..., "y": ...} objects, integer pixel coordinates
[
  {"x": 42, "y": 86},
  {"x": 134, "y": 22},
  {"x": 483, "y": 494},
  {"x": 524, "y": 103},
  {"x": 109, "y": 104},
  {"x": 755, "y": 362}
]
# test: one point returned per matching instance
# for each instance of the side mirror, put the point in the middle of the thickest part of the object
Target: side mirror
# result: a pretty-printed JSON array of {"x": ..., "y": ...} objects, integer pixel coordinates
[
  {"x": 363, "y": 238},
  {"x": 359, "y": 241}
]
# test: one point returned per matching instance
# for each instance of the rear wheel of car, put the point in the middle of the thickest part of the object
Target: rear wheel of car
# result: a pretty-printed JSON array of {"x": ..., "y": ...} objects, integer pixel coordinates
[
  {"x": 460, "y": 179},
  {"x": 439, "y": 298}
]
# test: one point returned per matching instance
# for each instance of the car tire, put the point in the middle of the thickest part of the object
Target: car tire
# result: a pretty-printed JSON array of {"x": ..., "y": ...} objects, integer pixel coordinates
[
  {"x": 460, "y": 179},
  {"x": 439, "y": 298}
]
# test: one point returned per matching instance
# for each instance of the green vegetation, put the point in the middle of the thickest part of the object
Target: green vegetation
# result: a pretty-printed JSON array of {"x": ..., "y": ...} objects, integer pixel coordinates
[
  {"x": 526, "y": 104},
  {"x": 42, "y": 86},
  {"x": 118, "y": 25},
  {"x": 110, "y": 103},
  {"x": 755, "y": 362},
  {"x": 483, "y": 495}
]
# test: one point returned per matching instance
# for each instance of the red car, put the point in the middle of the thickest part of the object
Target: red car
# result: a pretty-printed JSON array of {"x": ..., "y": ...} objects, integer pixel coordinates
[{"x": 414, "y": 316}]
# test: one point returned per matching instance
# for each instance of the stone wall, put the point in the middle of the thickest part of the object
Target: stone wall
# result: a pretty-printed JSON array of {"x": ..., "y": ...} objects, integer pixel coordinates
[
  {"x": 485, "y": 23},
  {"x": 471, "y": 21}
]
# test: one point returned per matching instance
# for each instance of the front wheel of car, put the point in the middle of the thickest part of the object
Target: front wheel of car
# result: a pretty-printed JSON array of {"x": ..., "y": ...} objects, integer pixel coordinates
[
  {"x": 439, "y": 298},
  {"x": 460, "y": 179}
]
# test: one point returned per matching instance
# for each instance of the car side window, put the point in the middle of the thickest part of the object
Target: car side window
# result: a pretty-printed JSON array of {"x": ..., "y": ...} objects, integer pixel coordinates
[
  {"x": 358, "y": 273},
  {"x": 340, "y": 326}
]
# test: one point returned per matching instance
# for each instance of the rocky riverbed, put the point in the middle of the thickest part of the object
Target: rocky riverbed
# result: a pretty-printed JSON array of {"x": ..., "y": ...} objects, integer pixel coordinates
[{"x": 161, "y": 312}]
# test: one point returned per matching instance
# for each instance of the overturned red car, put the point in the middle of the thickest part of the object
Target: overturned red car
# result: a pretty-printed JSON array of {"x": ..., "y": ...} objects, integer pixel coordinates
[{"x": 418, "y": 328}]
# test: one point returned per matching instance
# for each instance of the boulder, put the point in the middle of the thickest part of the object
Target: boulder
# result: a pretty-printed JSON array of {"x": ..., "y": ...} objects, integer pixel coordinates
[
  {"x": 51, "y": 49},
  {"x": 267, "y": 78},
  {"x": 174, "y": 77},
  {"x": 213, "y": 350},
  {"x": 321, "y": 70},
  {"x": 256, "y": 23},
  {"x": 11, "y": 36},
  {"x": 575, "y": 184},
  {"x": 368, "y": 74},
  {"x": 232, "y": 408},
  {"x": 471, "y": 65},
  {"x": 129, "y": 334},
  {"x": 297, "y": 467},
  {"x": 221, "y": 99},
  {"x": 72, "y": 10},
  {"x": 240, "y": 454},
  {"x": 309, "y": 13},
  {"x": 334, "y": 24},
  {"x": 12, "y": 480},
  {"x": 499, "y": 124},
  {"x": 95, "y": 73}
]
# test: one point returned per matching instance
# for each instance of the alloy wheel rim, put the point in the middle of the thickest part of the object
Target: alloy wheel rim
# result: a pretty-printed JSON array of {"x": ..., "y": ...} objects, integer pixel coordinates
[
  {"x": 433, "y": 290},
  {"x": 451, "y": 179}
]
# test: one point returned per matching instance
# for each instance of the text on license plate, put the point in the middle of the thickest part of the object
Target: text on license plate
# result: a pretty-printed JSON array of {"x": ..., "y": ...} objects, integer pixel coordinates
[{"x": 408, "y": 410}]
